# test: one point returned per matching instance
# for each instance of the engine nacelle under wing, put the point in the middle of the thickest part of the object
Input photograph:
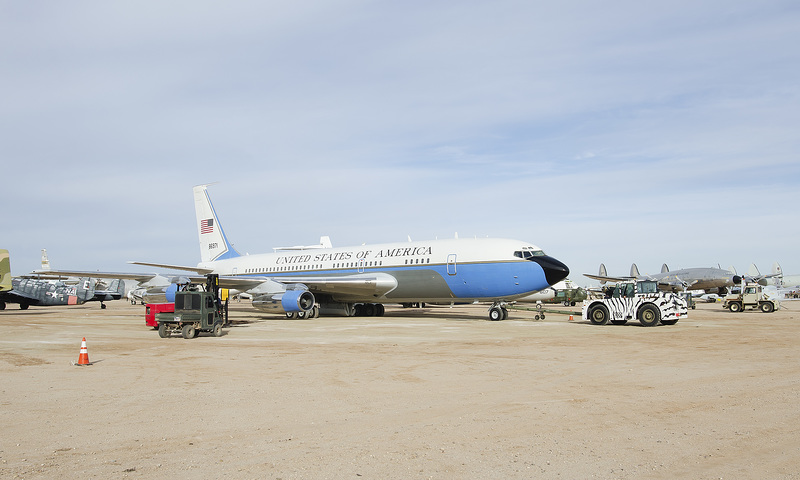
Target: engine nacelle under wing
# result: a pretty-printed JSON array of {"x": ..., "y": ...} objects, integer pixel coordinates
[
  {"x": 288, "y": 301},
  {"x": 160, "y": 294}
]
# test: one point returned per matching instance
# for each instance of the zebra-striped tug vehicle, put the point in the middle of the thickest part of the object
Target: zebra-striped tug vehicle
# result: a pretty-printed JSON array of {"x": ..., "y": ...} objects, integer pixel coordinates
[{"x": 642, "y": 301}]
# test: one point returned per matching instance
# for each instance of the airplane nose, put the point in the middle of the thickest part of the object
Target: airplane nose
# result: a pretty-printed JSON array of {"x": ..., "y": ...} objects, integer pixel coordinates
[{"x": 554, "y": 271}]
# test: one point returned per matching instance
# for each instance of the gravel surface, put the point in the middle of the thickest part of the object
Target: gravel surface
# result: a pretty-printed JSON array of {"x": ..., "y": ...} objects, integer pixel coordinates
[{"x": 419, "y": 393}]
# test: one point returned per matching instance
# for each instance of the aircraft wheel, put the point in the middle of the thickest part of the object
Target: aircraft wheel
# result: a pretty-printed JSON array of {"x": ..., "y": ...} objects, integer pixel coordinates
[
  {"x": 23, "y": 306},
  {"x": 188, "y": 331},
  {"x": 599, "y": 315},
  {"x": 102, "y": 306},
  {"x": 291, "y": 315},
  {"x": 217, "y": 330},
  {"x": 162, "y": 330},
  {"x": 766, "y": 307},
  {"x": 649, "y": 316},
  {"x": 495, "y": 314},
  {"x": 379, "y": 309},
  {"x": 505, "y": 312},
  {"x": 2, "y": 305}
]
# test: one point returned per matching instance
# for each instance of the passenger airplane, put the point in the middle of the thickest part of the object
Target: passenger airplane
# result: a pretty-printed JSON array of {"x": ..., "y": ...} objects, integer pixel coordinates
[
  {"x": 708, "y": 279},
  {"x": 361, "y": 279}
]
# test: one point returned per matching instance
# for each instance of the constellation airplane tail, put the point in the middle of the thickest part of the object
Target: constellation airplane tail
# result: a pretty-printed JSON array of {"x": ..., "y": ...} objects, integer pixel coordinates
[{"x": 214, "y": 245}]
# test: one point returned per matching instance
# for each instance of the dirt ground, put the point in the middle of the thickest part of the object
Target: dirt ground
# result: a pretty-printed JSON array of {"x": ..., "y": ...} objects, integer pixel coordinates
[{"x": 434, "y": 393}]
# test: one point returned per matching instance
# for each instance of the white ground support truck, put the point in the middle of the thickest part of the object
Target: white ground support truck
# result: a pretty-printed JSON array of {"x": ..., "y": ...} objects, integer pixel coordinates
[
  {"x": 630, "y": 300},
  {"x": 750, "y": 295}
]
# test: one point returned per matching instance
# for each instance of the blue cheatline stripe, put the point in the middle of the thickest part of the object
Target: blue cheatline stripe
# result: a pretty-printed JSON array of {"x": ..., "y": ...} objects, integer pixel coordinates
[{"x": 472, "y": 280}]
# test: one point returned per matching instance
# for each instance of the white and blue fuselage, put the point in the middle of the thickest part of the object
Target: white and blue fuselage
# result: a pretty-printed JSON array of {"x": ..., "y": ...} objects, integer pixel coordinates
[{"x": 457, "y": 270}]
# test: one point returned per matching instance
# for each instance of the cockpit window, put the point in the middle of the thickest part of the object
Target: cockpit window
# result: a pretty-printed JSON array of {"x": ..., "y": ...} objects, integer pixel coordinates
[{"x": 528, "y": 252}]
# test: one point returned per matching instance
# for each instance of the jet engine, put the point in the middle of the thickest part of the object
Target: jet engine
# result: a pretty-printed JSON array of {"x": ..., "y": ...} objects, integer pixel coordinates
[
  {"x": 294, "y": 300},
  {"x": 160, "y": 294}
]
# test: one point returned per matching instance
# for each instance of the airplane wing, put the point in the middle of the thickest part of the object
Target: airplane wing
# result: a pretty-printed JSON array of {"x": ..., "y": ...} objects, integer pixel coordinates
[
  {"x": 372, "y": 284},
  {"x": 674, "y": 286},
  {"x": 608, "y": 279},
  {"x": 60, "y": 274},
  {"x": 201, "y": 271},
  {"x": 139, "y": 277},
  {"x": 13, "y": 296}
]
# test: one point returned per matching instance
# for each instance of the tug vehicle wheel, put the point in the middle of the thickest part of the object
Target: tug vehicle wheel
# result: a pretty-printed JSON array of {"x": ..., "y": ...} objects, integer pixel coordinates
[
  {"x": 649, "y": 316},
  {"x": 599, "y": 315}
]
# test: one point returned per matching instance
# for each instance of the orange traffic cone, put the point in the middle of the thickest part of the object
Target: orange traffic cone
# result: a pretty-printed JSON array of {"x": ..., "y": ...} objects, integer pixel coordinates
[
  {"x": 83, "y": 358},
  {"x": 570, "y": 318}
]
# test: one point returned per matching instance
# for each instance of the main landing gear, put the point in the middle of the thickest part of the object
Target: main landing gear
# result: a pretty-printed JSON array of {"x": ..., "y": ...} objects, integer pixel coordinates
[
  {"x": 498, "y": 311},
  {"x": 313, "y": 313}
]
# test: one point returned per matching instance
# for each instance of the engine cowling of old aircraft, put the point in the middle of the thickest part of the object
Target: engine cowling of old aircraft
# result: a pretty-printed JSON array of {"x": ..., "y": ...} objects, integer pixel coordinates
[{"x": 288, "y": 301}]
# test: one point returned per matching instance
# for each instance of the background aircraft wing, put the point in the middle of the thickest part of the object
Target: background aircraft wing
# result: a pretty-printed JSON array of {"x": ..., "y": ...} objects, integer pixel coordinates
[
  {"x": 139, "y": 277},
  {"x": 13, "y": 296},
  {"x": 603, "y": 278},
  {"x": 673, "y": 285},
  {"x": 61, "y": 274}
]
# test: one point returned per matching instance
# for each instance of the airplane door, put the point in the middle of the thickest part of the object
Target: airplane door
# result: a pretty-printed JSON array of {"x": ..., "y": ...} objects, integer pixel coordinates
[
  {"x": 451, "y": 264},
  {"x": 361, "y": 265}
]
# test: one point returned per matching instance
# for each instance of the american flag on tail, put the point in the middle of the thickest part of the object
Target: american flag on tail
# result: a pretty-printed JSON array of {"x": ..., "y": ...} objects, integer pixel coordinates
[{"x": 206, "y": 226}]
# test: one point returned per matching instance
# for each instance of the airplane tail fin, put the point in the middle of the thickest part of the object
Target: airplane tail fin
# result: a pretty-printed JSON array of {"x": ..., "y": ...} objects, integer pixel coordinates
[
  {"x": 214, "y": 244},
  {"x": 664, "y": 268},
  {"x": 45, "y": 260},
  {"x": 634, "y": 270},
  {"x": 777, "y": 270},
  {"x": 5, "y": 271},
  {"x": 601, "y": 272},
  {"x": 753, "y": 271}
]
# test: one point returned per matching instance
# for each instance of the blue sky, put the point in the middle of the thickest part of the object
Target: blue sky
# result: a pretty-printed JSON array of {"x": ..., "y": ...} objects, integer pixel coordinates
[{"x": 613, "y": 132}]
